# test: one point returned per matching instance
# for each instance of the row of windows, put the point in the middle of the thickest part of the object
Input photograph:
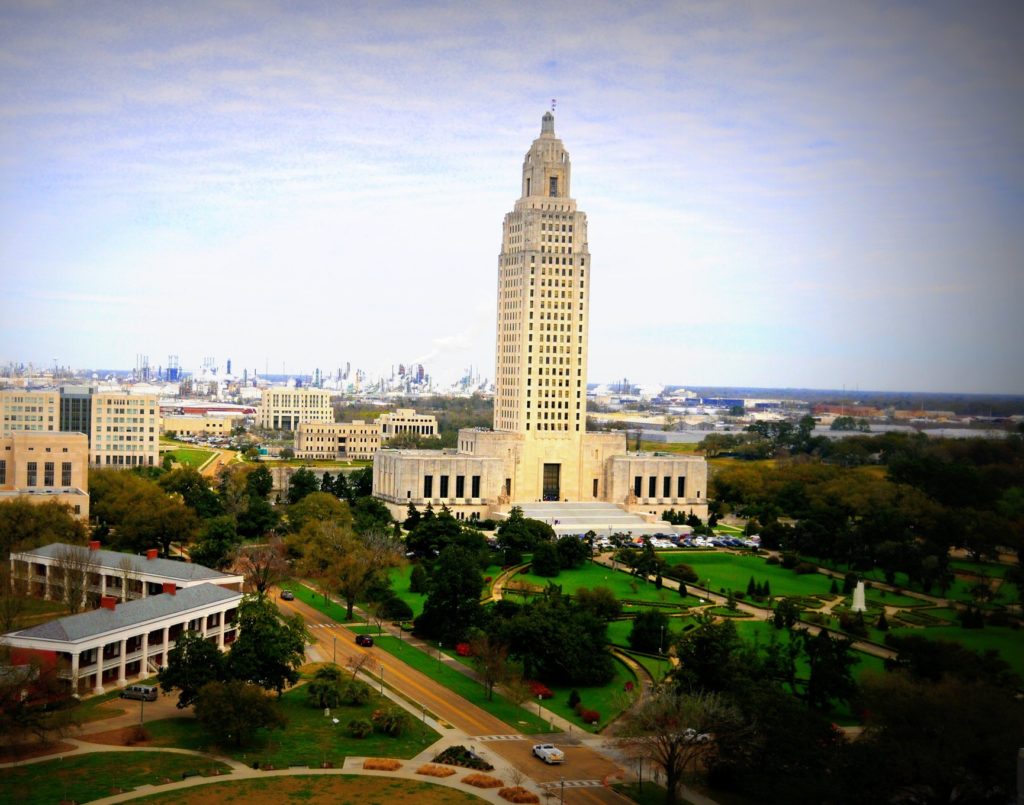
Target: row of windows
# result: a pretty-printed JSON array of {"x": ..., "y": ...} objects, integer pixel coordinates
[
  {"x": 666, "y": 486},
  {"x": 443, "y": 486},
  {"x": 32, "y": 473}
]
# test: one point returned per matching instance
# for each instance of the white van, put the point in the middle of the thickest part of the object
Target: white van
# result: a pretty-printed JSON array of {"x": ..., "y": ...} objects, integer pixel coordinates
[{"x": 145, "y": 692}]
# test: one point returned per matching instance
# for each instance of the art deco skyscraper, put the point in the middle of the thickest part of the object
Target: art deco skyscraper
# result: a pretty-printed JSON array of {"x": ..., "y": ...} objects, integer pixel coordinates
[{"x": 541, "y": 381}]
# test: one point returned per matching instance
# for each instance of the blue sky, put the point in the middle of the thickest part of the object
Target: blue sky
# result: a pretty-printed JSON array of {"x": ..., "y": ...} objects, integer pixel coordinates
[{"x": 779, "y": 194}]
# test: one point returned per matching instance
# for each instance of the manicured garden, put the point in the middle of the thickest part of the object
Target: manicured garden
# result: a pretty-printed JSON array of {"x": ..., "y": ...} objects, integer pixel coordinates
[
  {"x": 1007, "y": 641},
  {"x": 624, "y": 586},
  {"x": 80, "y": 778}
]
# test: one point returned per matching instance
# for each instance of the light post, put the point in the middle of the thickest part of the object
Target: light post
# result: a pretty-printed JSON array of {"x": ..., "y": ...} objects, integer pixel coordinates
[
  {"x": 382, "y": 680},
  {"x": 562, "y": 798},
  {"x": 142, "y": 710},
  {"x": 335, "y": 660}
]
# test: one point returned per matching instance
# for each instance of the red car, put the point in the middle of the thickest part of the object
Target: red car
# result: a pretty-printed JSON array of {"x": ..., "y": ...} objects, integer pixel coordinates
[{"x": 364, "y": 640}]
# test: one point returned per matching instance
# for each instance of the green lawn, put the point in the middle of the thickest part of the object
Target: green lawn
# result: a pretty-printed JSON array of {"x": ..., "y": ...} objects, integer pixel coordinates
[
  {"x": 731, "y": 571},
  {"x": 335, "y": 610},
  {"x": 994, "y": 570},
  {"x": 400, "y": 585},
  {"x": 1008, "y": 642},
  {"x": 618, "y": 631},
  {"x": 609, "y": 700},
  {"x": 96, "y": 775},
  {"x": 459, "y": 683},
  {"x": 189, "y": 456},
  {"x": 309, "y": 738},
  {"x": 624, "y": 586}
]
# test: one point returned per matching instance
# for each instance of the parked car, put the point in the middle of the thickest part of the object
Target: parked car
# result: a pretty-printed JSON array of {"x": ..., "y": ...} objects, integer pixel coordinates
[
  {"x": 287, "y": 595},
  {"x": 549, "y": 753},
  {"x": 364, "y": 640},
  {"x": 692, "y": 736},
  {"x": 146, "y": 693}
]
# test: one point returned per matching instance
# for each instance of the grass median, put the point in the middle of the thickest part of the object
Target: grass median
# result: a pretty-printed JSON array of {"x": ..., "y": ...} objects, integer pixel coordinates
[{"x": 518, "y": 718}]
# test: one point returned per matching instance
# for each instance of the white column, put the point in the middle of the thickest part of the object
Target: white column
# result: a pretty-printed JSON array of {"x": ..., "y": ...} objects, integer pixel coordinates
[
  {"x": 74, "y": 671},
  {"x": 121, "y": 678},
  {"x": 222, "y": 624},
  {"x": 103, "y": 583}
]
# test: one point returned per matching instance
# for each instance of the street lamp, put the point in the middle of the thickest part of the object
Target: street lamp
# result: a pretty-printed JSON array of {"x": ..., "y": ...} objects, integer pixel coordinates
[
  {"x": 562, "y": 798},
  {"x": 382, "y": 680},
  {"x": 335, "y": 660}
]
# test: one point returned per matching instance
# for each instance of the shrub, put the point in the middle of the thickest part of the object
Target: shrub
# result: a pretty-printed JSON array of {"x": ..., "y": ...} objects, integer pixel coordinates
[
  {"x": 393, "y": 721},
  {"x": 433, "y": 770},
  {"x": 395, "y": 609},
  {"x": 590, "y": 716},
  {"x": 518, "y": 794},
  {"x": 355, "y": 693},
  {"x": 382, "y": 764},
  {"x": 883, "y": 623},
  {"x": 772, "y": 560},
  {"x": 540, "y": 690},
  {"x": 359, "y": 727},
  {"x": 790, "y": 560},
  {"x": 463, "y": 649},
  {"x": 805, "y": 568},
  {"x": 574, "y": 698},
  {"x": 482, "y": 781},
  {"x": 683, "y": 572},
  {"x": 458, "y": 755}
]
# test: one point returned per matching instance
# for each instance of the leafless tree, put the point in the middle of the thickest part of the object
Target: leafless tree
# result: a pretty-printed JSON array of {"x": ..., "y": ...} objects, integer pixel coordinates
[
  {"x": 361, "y": 662},
  {"x": 490, "y": 659},
  {"x": 73, "y": 569},
  {"x": 128, "y": 573},
  {"x": 516, "y": 689},
  {"x": 674, "y": 730},
  {"x": 262, "y": 566}
]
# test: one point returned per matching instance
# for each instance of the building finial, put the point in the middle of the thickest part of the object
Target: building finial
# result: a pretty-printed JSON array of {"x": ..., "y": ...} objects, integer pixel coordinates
[{"x": 547, "y": 123}]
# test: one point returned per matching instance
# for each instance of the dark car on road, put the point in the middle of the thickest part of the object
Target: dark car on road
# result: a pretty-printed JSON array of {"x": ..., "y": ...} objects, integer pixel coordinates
[
  {"x": 364, "y": 640},
  {"x": 287, "y": 595}
]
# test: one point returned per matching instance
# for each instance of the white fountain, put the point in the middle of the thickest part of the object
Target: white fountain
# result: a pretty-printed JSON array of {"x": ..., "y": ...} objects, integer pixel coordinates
[{"x": 858, "y": 598}]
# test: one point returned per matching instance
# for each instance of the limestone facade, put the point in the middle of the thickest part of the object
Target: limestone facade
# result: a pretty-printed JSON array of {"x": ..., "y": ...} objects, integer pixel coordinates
[
  {"x": 286, "y": 408},
  {"x": 406, "y": 420},
  {"x": 41, "y": 467},
  {"x": 36, "y": 411},
  {"x": 337, "y": 440}
]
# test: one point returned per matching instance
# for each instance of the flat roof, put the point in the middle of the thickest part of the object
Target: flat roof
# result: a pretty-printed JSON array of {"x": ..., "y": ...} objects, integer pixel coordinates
[
  {"x": 169, "y": 569},
  {"x": 73, "y": 628}
]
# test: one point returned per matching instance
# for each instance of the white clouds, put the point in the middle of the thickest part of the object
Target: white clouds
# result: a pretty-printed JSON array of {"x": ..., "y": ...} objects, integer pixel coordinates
[{"x": 734, "y": 160}]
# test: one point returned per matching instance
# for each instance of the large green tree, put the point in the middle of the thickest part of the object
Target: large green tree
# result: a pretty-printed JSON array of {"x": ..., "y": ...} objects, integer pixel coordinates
[
  {"x": 192, "y": 663},
  {"x": 270, "y": 646},
  {"x": 194, "y": 489},
  {"x": 235, "y": 710},
  {"x": 25, "y": 525},
  {"x": 453, "y": 601}
]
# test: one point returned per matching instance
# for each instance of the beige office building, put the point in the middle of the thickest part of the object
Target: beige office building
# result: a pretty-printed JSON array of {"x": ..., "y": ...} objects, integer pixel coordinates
[
  {"x": 406, "y": 420},
  {"x": 337, "y": 440},
  {"x": 200, "y": 425},
  {"x": 125, "y": 430},
  {"x": 539, "y": 437},
  {"x": 41, "y": 467},
  {"x": 31, "y": 411},
  {"x": 285, "y": 408}
]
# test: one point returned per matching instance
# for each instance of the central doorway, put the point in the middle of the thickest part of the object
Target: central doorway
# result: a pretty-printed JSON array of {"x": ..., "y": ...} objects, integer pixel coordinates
[{"x": 552, "y": 477}]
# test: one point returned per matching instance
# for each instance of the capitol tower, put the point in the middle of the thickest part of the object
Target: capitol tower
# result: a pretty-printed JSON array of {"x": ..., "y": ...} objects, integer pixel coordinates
[{"x": 539, "y": 452}]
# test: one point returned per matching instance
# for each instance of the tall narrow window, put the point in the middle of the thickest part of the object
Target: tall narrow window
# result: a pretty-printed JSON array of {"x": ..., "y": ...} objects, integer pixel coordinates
[
  {"x": 444, "y": 486},
  {"x": 3, "y": 471},
  {"x": 681, "y": 486},
  {"x": 428, "y": 486},
  {"x": 31, "y": 473},
  {"x": 666, "y": 487},
  {"x": 48, "y": 473},
  {"x": 652, "y": 486},
  {"x": 595, "y": 487},
  {"x": 475, "y": 486},
  {"x": 638, "y": 485},
  {"x": 553, "y": 186},
  {"x": 460, "y": 486}
]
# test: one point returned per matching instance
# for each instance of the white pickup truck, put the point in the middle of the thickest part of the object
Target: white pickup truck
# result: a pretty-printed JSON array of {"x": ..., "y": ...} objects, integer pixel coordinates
[{"x": 549, "y": 753}]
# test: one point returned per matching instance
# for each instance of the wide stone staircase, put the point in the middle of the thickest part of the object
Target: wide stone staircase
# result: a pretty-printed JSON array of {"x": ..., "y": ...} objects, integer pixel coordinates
[{"x": 604, "y": 519}]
